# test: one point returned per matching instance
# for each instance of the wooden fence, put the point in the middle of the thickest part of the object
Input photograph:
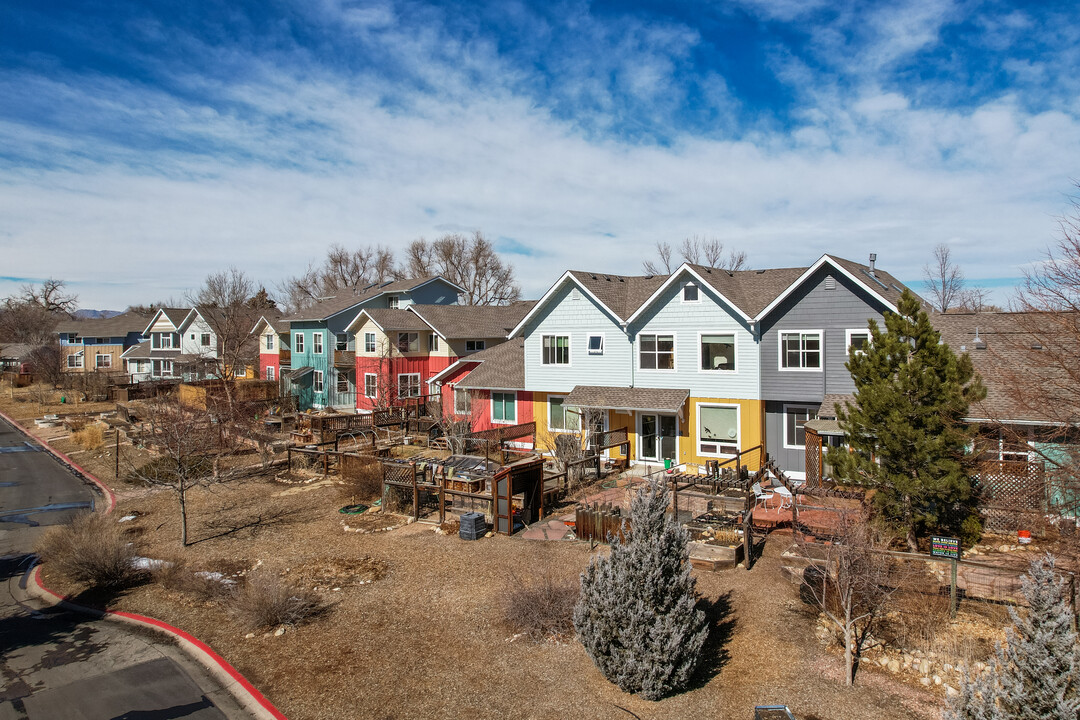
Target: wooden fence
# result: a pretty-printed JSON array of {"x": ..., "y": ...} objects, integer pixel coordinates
[{"x": 599, "y": 522}]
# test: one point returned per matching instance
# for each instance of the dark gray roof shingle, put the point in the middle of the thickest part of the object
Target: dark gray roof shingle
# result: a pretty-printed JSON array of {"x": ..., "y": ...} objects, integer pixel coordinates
[
  {"x": 627, "y": 398},
  {"x": 456, "y": 322},
  {"x": 502, "y": 367},
  {"x": 115, "y": 326},
  {"x": 348, "y": 297}
]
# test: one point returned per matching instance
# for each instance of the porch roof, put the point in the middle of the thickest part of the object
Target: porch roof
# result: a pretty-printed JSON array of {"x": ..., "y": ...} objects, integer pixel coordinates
[
  {"x": 824, "y": 427},
  {"x": 627, "y": 398},
  {"x": 298, "y": 372}
]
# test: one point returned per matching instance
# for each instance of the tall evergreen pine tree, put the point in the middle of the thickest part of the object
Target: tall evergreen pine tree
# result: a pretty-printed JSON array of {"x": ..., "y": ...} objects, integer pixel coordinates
[
  {"x": 637, "y": 614},
  {"x": 1036, "y": 674},
  {"x": 906, "y": 426}
]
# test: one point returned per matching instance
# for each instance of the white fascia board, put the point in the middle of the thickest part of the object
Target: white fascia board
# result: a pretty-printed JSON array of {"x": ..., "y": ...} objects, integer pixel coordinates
[
  {"x": 426, "y": 322},
  {"x": 810, "y": 271},
  {"x": 356, "y": 322},
  {"x": 704, "y": 283},
  {"x": 153, "y": 320},
  {"x": 446, "y": 370},
  {"x": 551, "y": 291}
]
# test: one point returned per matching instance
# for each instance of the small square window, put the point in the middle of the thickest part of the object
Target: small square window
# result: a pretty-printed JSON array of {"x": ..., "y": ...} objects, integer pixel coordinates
[
  {"x": 690, "y": 293},
  {"x": 596, "y": 344}
]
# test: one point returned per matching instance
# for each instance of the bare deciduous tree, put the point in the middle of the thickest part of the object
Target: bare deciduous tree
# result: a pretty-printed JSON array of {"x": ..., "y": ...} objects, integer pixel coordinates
[
  {"x": 696, "y": 250},
  {"x": 340, "y": 269},
  {"x": 853, "y": 584},
  {"x": 223, "y": 301},
  {"x": 469, "y": 261},
  {"x": 31, "y": 315},
  {"x": 975, "y": 299},
  {"x": 45, "y": 364},
  {"x": 51, "y": 295},
  {"x": 944, "y": 279}
]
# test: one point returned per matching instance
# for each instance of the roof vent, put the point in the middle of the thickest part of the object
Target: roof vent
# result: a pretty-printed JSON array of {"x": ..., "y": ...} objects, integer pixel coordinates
[
  {"x": 1036, "y": 346},
  {"x": 594, "y": 277},
  {"x": 621, "y": 280},
  {"x": 979, "y": 343},
  {"x": 830, "y": 282},
  {"x": 873, "y": 259},
  {"x": 760, "y": 272}
]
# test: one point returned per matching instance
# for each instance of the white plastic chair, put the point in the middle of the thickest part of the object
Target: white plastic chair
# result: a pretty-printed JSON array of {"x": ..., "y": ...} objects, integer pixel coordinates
[{"x": 761, "y": 495}]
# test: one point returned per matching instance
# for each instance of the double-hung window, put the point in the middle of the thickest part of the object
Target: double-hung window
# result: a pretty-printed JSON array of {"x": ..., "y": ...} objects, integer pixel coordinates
[
  {"x": 270, "y": 372},
  {"x": 317, "y": 381},
  {"x": 369, "y": 342},
  {"x": 342, "y": 382},
  {"x": 795, "y": 419},
  {"x": 393, "y": 302},
  {"x": 316, "y": 343},
  {"x": 504, "y": 407},
  {"x": 205, "y": 340},
  {"x": 371, "y": 383},
  {"x": 718, "y": 429},
  {"x": 800, "y": 350},
  {"x": 657, "y": 352},
  {"x": 341, "y": 341},
  {"x": 462, "y": 401},
  {"x": 718, "y": 352},
  {"x": 298, "y": 342},
  {"x": 408, "y": 342},
  {"x": 556, "y": 349},
  {"x": 408, "y": 385},
  {"x": 74, "y": 361},
  {"x": 269, "y": 342},
  {"x": 433, "y": 343},
  {"x": 561, "y": 417}
]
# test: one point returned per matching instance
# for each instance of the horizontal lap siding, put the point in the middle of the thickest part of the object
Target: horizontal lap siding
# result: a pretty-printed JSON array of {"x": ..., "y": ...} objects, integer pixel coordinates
[
  {"x": 571, "y": 312},
  {"x": 813, "y": 307},
  {"x": 686, "y": 320}
]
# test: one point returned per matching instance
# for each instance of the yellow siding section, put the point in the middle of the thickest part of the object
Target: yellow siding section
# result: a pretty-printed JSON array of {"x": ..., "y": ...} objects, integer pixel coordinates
[{"x": 751, "y": 414}]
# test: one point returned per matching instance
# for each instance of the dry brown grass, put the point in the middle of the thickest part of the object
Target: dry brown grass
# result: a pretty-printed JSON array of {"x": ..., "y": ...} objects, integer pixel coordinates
[
  {"x": 265, "y": 601},
  {"x": 362, "y": 482},
  {"x": 93, "y": 550},
  {"x": 90, "y": 437}
]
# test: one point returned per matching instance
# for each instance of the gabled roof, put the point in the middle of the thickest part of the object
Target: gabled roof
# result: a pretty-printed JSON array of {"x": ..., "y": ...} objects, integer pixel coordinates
[
  {"x": 501, "y": 367},
  {"x": 389, "y": 319},
  {"x": 143, "y": 351},
  {"x": 175, "y": 316},
  {"x": 326, "y": 308},
  {"x": 879, "y": 284},
  {"x": 456, "y": 322},
  {"x": 272, "y": 319},
  {"x": 115, "y": 326},
  {"x": 15, "y": 351},
  {"x": 618, "y": 295}
]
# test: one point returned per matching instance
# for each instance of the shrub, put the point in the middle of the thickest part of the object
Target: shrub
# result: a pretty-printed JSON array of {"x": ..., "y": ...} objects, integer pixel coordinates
[
  {"x": 542, "y": 608},
  {"x": 90, "y": 437},
  {"x": 178, "y": 576},
  {"x": 637, "y": 615},
  {"x": 266, "y": 602},
  {"x": 361, "y": 481},
  {"x": 92, "y": 550}
]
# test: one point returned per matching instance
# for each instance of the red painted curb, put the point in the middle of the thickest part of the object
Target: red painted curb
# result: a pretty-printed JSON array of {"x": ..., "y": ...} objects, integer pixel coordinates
[
  {"x": 110, "y": 498},
  {"x": 203, "y": 647}
]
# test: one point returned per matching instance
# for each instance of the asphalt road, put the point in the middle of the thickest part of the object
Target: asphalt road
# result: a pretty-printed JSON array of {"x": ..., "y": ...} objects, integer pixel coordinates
[{"x": 57, "y": 665}]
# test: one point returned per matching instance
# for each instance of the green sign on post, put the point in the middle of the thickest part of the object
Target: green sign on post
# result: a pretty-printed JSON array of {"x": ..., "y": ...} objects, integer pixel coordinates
[{"x": 947, "y": 547}]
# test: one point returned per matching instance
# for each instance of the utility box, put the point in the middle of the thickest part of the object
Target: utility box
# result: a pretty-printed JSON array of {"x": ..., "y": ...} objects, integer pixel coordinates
[{"x": 473, "y": 526}]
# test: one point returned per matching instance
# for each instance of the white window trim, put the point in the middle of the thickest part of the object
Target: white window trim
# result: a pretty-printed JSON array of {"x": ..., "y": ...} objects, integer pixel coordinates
[
  {"x": 569, "y": 350},
  {"x": 638, "y": 443},
  {"x": 317, "y": 375},
  {"x": 454, "y": 390},
  {"x": 407, "y": 333},
  {"x": 566, "y": 409},
  {"x": 97, "y": 361},
  {"x": 475, "y": 349},
  {"x": 374, "y": 343},
  {"x": 298, "y": 342},
  {"x": 780, "y": 350},
  {"x": 433, "y": 343},
  {"x": 316, "y": 341},
  {"x": 491, "y": 403},
  {"x": 393, "y": 302},
  {"x": 811, "y": 408},
  {"x": 674, "y": 350},
  {"x": 702, "y": 370},
  {"x": 371, "y": 375},
  {"x": 697, "y": 422},
  {"x": 271, "y": 373},
  {"x": 588, "y": 343},
  {"x": 268, "y": 342},
  {"x": 78, "y": 361},
  {"x": 847, "y": 339},
  {"x": 419, "y": 384},
  {"x": 682, "y": 294}
]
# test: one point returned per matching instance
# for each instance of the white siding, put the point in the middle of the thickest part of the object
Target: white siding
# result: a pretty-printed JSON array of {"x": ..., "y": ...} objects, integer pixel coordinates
[{"x": 572, "y": 312}]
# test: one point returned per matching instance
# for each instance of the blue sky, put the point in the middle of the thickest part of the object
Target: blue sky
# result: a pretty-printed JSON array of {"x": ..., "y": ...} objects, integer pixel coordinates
[{"x": 143, "y": 145}]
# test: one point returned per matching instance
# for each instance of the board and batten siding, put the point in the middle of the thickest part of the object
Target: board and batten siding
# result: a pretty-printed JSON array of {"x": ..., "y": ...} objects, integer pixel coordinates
[
  {"x": 572, "y": 312},
  {"x": 788, "y": 459},
  {"x": 813, "y": 306},
  {"x": 688, "y": 321}
]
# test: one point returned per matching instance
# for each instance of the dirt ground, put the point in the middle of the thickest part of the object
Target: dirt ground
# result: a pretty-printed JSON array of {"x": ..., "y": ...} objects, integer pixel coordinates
[{"x": 414, "y": 626}]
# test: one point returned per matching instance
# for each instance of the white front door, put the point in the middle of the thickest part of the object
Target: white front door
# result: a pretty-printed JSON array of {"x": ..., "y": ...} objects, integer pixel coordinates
[{"x": 658, "y": 437}]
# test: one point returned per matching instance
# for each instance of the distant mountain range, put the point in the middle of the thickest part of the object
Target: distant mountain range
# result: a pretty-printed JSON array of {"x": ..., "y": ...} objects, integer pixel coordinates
[{"x": 90, "y": 314}]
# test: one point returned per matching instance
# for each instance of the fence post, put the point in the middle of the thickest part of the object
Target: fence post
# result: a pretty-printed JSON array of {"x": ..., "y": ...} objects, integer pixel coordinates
[
  {"x": 117, "y": 452},
  {"x": 952, "y": 590},
  {"x": 748, "y": 541}
]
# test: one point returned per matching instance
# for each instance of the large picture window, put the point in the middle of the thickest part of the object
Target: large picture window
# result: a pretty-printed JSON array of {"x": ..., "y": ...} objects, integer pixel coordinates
[
  {"x": 657, "y": 352},
  {"x": 718, "y": 352},
  {"x": 408, "y": 385},
  {"x": 561, "y": 417},
  {"x": 795, "y": 419},
  {"x": 556, "y": 349},
  {"x": 718, "y": 430},
  {"x": 504, "y": 407},
  {"x": 800, "y": 350},
  {"x": 408, "y": 342}
]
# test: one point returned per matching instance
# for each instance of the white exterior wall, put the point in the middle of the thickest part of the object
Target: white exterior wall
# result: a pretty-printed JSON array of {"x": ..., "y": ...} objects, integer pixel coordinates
[
  {"x": 570, "y": 311},
  {"x": 688, "y": 321},
  {"x": 197, "y": 327}
]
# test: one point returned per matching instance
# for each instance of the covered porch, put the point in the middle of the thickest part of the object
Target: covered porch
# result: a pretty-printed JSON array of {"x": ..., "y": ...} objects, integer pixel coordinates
[{"x": 654, "y": 419}]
